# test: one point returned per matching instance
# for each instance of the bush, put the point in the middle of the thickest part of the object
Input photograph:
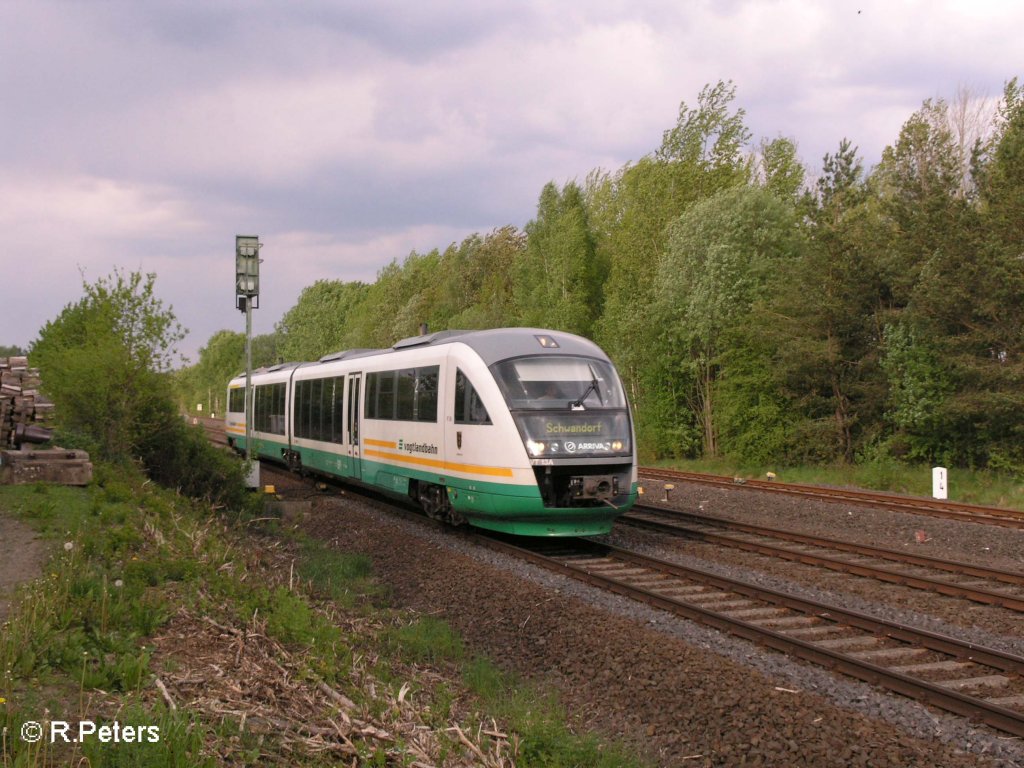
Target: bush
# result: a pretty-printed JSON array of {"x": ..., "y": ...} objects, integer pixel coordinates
[
  {"x": 180, "y": 457},
  {"x": 105, "y": 362}
]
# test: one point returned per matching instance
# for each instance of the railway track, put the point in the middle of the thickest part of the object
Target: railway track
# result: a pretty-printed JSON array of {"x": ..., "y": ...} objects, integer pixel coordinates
[
  {"x": 980, "y": 584},
  {"x": 981, "y": 684},
  {"x": 973, "y": 513},
  {"x": 214, "y": 428}
]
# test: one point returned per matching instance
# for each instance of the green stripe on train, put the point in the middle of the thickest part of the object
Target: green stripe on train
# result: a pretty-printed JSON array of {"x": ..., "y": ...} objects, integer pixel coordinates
[{"x": 505, "y": 507}]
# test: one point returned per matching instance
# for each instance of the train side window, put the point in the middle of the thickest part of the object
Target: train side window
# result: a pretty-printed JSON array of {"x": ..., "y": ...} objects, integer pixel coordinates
[
  {"x": 257, "y": 409},
  {"x": 268, "y": 409},
  {"x": 386, "y": 395},
  {"x": 406, "y": 395},
  {"x": 236, "y": 400},
  {"x": 370, "y": 410},
  {"x": 338, "y": 411},
  {"x": 469, "y": 408},
  {"x": 298, "y": 409},
  {"x": 315, "y": 408},
  {"x": 426, "y": 393}
]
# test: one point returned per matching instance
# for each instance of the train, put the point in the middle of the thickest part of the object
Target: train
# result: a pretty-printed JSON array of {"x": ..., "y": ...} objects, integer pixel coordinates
[{"x": 522, "y": 431}]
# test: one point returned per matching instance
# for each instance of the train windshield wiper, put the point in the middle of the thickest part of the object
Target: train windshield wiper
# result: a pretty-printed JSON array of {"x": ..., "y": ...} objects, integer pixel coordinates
[{"x": 577, "y": 405}]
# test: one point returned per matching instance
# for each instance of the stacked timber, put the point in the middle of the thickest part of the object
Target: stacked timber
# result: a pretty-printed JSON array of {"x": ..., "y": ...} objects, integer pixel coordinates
[
  {"x": 21, "y": 405},
  {"x": 26, "y": 417}
]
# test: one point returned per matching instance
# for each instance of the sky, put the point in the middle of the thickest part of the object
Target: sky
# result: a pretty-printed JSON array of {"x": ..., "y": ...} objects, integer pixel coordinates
[{"x": 143, "y": 135}]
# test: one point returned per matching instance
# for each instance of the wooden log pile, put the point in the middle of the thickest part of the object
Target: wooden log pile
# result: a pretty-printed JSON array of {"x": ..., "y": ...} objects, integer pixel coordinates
[{"x": 20, "y": 400}]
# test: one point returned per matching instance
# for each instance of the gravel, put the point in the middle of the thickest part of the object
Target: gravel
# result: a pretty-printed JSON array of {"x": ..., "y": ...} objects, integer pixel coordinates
[{"x": 683, "y": 694}]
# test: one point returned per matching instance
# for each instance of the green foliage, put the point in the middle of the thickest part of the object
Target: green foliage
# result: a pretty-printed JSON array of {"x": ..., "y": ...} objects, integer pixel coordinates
[
  {"x": 181, "y": 740},
  {"x": 819, "y": 319},
  {"x": 919, "y": 383},
  {"x": 181, "y": 457},
  {"x": 427, "y": 639},
  {"x": 751, "y": 312},
  {"x": 317, "y": 324},
  {"x": 1000, "y": 168},
  {"x": 290, "y": 620},
  {"x": 632, "y": 210},
  {"x": 336, "y": 575},
  {"x": 721, "y": 254},
  {"x": 10, "y": 351},
  {"x": 558, "y": 282},
  {"x": 754, "y": 418},
  {"x": 781, "y": 171},
  {"x": 540, "y": 722},
  {"x": 104, "y": 361},
  {"x": 221, "y": 360},
  {"x": 473, "y": 287}
]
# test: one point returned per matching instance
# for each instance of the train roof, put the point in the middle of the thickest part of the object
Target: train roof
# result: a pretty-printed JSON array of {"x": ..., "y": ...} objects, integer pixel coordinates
[{"x": 492, "y": 345}]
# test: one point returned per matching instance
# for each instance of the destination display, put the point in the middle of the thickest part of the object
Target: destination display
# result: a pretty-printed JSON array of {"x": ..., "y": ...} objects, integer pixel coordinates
[{"x": 567, "y": 435}]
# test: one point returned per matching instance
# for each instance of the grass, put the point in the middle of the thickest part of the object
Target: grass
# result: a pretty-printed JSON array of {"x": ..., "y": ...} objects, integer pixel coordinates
[
  {"x": 128, "y": 556},
  {"x": 81, "y": 627},
  {"x": 427, "y": 640},
  {"x": 341, "y": 577},
  {"x": 965, "y": 485},
  {"x": 540, "y": 723}
]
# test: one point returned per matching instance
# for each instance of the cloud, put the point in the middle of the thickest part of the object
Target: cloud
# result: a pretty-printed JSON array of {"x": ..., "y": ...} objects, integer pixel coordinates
[{"x": 347, "y": 134}]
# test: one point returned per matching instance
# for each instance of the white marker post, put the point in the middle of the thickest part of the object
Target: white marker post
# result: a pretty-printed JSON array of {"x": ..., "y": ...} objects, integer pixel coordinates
[{"x": 940, "y": 484}]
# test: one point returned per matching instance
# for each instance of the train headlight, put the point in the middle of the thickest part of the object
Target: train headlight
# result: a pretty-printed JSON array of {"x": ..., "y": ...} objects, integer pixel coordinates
[
  {"x": 616, "y": 445},
  {"x": 536, "y": 448}
]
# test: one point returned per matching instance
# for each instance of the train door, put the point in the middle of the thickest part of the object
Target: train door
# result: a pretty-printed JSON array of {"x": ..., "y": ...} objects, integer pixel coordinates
[
  {"x": 351, "y": 437},
  {"x": 468, "y": 433}
]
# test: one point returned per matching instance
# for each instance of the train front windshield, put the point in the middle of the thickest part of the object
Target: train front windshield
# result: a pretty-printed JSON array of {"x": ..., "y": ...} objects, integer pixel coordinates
[{"x": 566, "y": 407}]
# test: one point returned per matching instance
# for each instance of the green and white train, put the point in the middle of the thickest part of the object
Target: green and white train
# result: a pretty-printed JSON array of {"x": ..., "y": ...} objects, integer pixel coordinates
[{"x": 518, "y": 430}]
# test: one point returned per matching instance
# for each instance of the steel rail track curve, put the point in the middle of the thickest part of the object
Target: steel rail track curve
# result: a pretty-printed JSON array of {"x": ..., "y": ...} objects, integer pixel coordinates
[
  {"x": 838, "y": 639},
  {"x": 918, "y": 505},
  {"x": 712, "y": 529}
]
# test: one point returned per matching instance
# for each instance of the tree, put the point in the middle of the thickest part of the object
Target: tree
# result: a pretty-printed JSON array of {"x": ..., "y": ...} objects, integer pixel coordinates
[
  {"x": 701, "y": 155},
  {"x": 475, "y": 287},
  {"x": 919, "y": 181},
  {"x": 105, "y": 362},
  {"x": 206, "y": 381},
  {"x": 721, "y": 253},
  {"x": 999, "y": 166},
  {"x": 558, "y": 280},
  {"x": 11, "y": 351},
  {"x": 318, "y": 323},
  {"x": 780, "y": 171},
  {"x": 101, "y": 361},
  {"x": 820, "y": 320},
  {"x": 958, "y": 346}
]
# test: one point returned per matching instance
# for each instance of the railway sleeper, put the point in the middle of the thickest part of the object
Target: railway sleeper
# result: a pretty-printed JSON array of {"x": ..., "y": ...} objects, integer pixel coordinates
[
  {"x": 850, "y": 642},
  {"x": 784, "y": 622},
  {"x": 888, "y": 654},
  {"x": 933, "y": 666},
  {"x": 972, "y": 683}
]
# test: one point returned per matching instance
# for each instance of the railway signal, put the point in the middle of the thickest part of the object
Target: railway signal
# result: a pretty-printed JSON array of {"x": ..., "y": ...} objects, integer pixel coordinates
[{"x": 247, "y": 297}]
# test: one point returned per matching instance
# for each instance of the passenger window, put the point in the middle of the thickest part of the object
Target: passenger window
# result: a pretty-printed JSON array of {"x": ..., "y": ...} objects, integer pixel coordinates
[{"x": 469, "y": 408}]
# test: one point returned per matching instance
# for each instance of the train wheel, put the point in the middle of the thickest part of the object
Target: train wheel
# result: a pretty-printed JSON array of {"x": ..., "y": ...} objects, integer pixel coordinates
[{"x": 434, "y": 501}]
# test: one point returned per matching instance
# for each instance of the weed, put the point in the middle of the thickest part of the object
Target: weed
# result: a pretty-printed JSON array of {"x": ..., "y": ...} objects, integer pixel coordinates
[
  {"x": 159, "y": 740},
  {"x": 427, "y": 639},
  {"x": 335, "y": 575}
]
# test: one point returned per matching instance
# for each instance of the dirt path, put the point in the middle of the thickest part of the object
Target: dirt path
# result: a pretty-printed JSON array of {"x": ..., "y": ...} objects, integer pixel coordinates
[{"x": 21, "y": 557}]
